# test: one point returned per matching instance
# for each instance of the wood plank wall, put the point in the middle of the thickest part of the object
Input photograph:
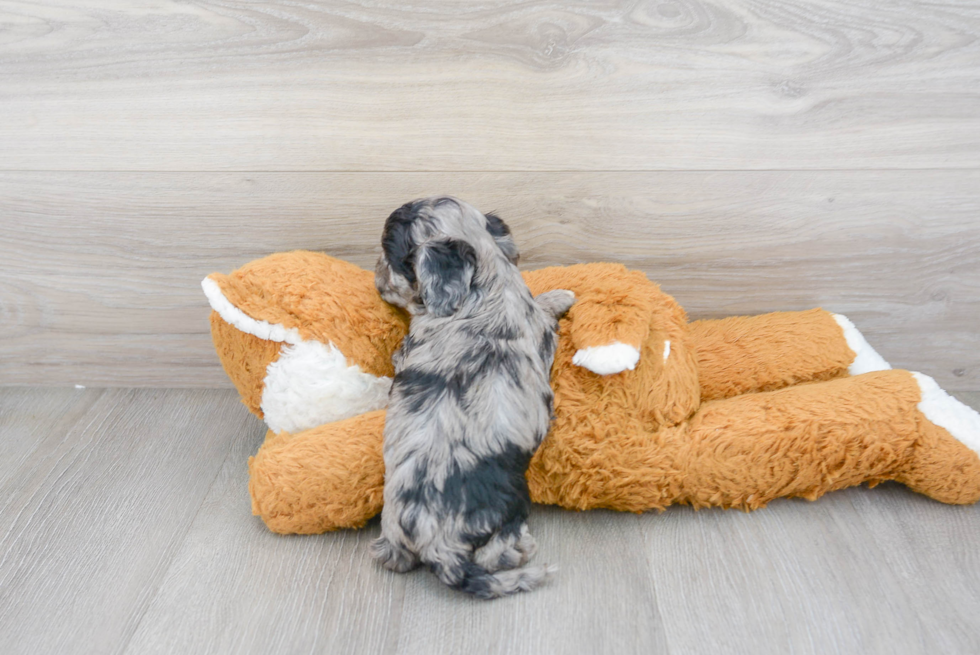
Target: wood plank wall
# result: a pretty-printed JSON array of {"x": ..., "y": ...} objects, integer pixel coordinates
[{"x": 749, "y": 156}]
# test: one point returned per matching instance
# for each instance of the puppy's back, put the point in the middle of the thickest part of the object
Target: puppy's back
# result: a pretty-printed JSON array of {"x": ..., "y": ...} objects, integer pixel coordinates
[{"x": 470, "y": 403}]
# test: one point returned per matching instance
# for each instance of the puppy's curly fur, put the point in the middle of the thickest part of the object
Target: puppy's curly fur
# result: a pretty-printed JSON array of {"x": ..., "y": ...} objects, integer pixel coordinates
[{"x": 470, "y": 402}]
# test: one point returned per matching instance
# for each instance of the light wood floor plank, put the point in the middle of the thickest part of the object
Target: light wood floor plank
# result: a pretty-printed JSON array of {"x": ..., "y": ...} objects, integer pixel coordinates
[
  {"x": 502, "y": 85},
  {"x": 30, "y": 418},
  {"x": 235, "y": 587},
  {"x": 603, "y": 599},
  {"x": 931, "y": 551},
  {"x": 817, "y": 578},
  {"x": 96, "y": 516},
  {"x": 100, "y": 278}
]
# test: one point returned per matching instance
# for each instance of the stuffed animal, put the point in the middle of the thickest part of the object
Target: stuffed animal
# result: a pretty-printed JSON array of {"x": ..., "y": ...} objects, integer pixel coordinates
[{"x": 650, "y": 409}]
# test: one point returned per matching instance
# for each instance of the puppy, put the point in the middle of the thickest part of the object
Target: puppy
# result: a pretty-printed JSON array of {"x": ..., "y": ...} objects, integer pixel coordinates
[{"x": 470, "y": 402}]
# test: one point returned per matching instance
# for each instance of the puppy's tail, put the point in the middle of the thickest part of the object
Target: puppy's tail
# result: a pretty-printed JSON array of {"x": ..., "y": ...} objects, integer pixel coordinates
[{"x": 474, "y": 579}]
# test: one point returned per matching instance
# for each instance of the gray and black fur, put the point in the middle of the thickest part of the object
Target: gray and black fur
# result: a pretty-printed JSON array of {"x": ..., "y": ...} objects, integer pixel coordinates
[{"x": 471, "y": 400}]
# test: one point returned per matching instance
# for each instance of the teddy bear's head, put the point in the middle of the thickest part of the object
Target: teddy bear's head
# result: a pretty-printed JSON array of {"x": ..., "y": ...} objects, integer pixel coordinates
[{"x": 305, "y": 338}]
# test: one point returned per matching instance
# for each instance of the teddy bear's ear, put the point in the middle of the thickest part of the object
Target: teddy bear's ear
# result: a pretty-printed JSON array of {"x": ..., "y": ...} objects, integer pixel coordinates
[
  {"x": 306, "y": 296},
  {"x": 226, "y": 294},
  {"x": 311, "y": 295}
]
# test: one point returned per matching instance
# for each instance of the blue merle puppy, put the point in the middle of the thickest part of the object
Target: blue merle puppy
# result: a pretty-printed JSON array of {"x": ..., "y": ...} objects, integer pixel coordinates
[{"x": 470, "y": 402}]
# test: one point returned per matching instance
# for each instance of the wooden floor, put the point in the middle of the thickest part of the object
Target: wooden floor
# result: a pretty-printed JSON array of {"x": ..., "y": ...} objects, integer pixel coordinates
[{"x": 125, "y": 527}]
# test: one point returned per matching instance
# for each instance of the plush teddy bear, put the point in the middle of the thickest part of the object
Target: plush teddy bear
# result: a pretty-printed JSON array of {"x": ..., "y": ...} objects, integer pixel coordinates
[{"x": 650, "y": 410}]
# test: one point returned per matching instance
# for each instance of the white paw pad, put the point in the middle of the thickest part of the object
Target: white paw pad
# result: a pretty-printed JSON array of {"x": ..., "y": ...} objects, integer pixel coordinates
[
  {"x": 866, "y": 358},
  {"x": 947, "y": 412},
  {"x": 606, "y": 360}
]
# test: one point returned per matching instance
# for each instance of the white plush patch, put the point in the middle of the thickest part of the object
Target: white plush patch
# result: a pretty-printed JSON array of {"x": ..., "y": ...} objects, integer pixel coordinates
[
  {"x": 236, "y": 317},
  {"x": 866, "y": 358},
  {"x": 311, "y": 384},
  {"x": 947, "y": 412},
  {"x": 666, "y": 349},
  {"x": 606, "y": 360}
]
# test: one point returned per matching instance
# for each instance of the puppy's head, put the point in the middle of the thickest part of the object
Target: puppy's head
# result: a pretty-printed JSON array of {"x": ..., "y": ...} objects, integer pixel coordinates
[{"x": 432, "y": 251}]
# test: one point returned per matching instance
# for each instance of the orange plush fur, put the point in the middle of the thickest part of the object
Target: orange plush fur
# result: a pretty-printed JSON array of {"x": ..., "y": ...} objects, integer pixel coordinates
[{"x": 739, "y": 412}]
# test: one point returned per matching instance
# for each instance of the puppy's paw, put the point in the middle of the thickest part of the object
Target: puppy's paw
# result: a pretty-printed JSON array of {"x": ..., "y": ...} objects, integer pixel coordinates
[
  {"x": 499, "y": 553},
  {"x": 556, "y": 302},
  {"x": 607, "y": 360},
  {"x": 392, "y": 557},
  {"x": 526, "y": 545},
  {"x": 497, "y": 559}
]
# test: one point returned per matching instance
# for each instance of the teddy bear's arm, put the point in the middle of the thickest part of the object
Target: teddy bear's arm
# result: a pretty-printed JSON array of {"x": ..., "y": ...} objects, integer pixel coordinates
[
  {"x": 612, "y": 314},
  {"x": 326, "y": 478},
  {"x": 742, "y": 354}
]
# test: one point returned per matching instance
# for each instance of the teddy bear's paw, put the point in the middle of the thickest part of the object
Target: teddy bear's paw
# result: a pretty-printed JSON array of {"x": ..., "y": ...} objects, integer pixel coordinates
[
  {"x": 960, "y": 420},
  {"x": 866, "y": 359},
  {"x": 607, "y": 360}
]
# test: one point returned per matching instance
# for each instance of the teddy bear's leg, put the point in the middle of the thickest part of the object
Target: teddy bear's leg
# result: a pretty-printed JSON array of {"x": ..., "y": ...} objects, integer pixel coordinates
[
  {"x": 321, "y": 479},
  {"x": 942, "y": 416},
  {"x": 813, "y": 438},
  {"x": 743, "y": 354}
]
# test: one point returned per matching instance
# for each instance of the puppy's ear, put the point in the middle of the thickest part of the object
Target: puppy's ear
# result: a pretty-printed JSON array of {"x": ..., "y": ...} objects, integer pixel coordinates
[
  {"x": 396, "y": 240},
  {"x": 501, "y": 234},
  {"x": 444, "y": 269}
]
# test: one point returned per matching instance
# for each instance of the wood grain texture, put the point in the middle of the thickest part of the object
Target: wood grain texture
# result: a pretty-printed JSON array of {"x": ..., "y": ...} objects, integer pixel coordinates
[
  {"x": 234, "y": 587},
  {"x": 99, "y": 284},
  {"x": 437, "y": 85},
  {"x": 29, "y": 418},
  {"x": 603, "y": 599},
  {"x": 859, "y": 571},
  {"x": 112, "y": 550},
  {"x": 90, "y": 521}
]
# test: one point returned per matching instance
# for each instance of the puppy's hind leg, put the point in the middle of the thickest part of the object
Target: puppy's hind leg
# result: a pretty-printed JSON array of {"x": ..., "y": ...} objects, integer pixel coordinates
[
  {"x": 454, "y": 567},
  {"x": 499, "y": 553},
  {"x": 506, "y": 550},
  {"x": 393, "y": 556}
]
